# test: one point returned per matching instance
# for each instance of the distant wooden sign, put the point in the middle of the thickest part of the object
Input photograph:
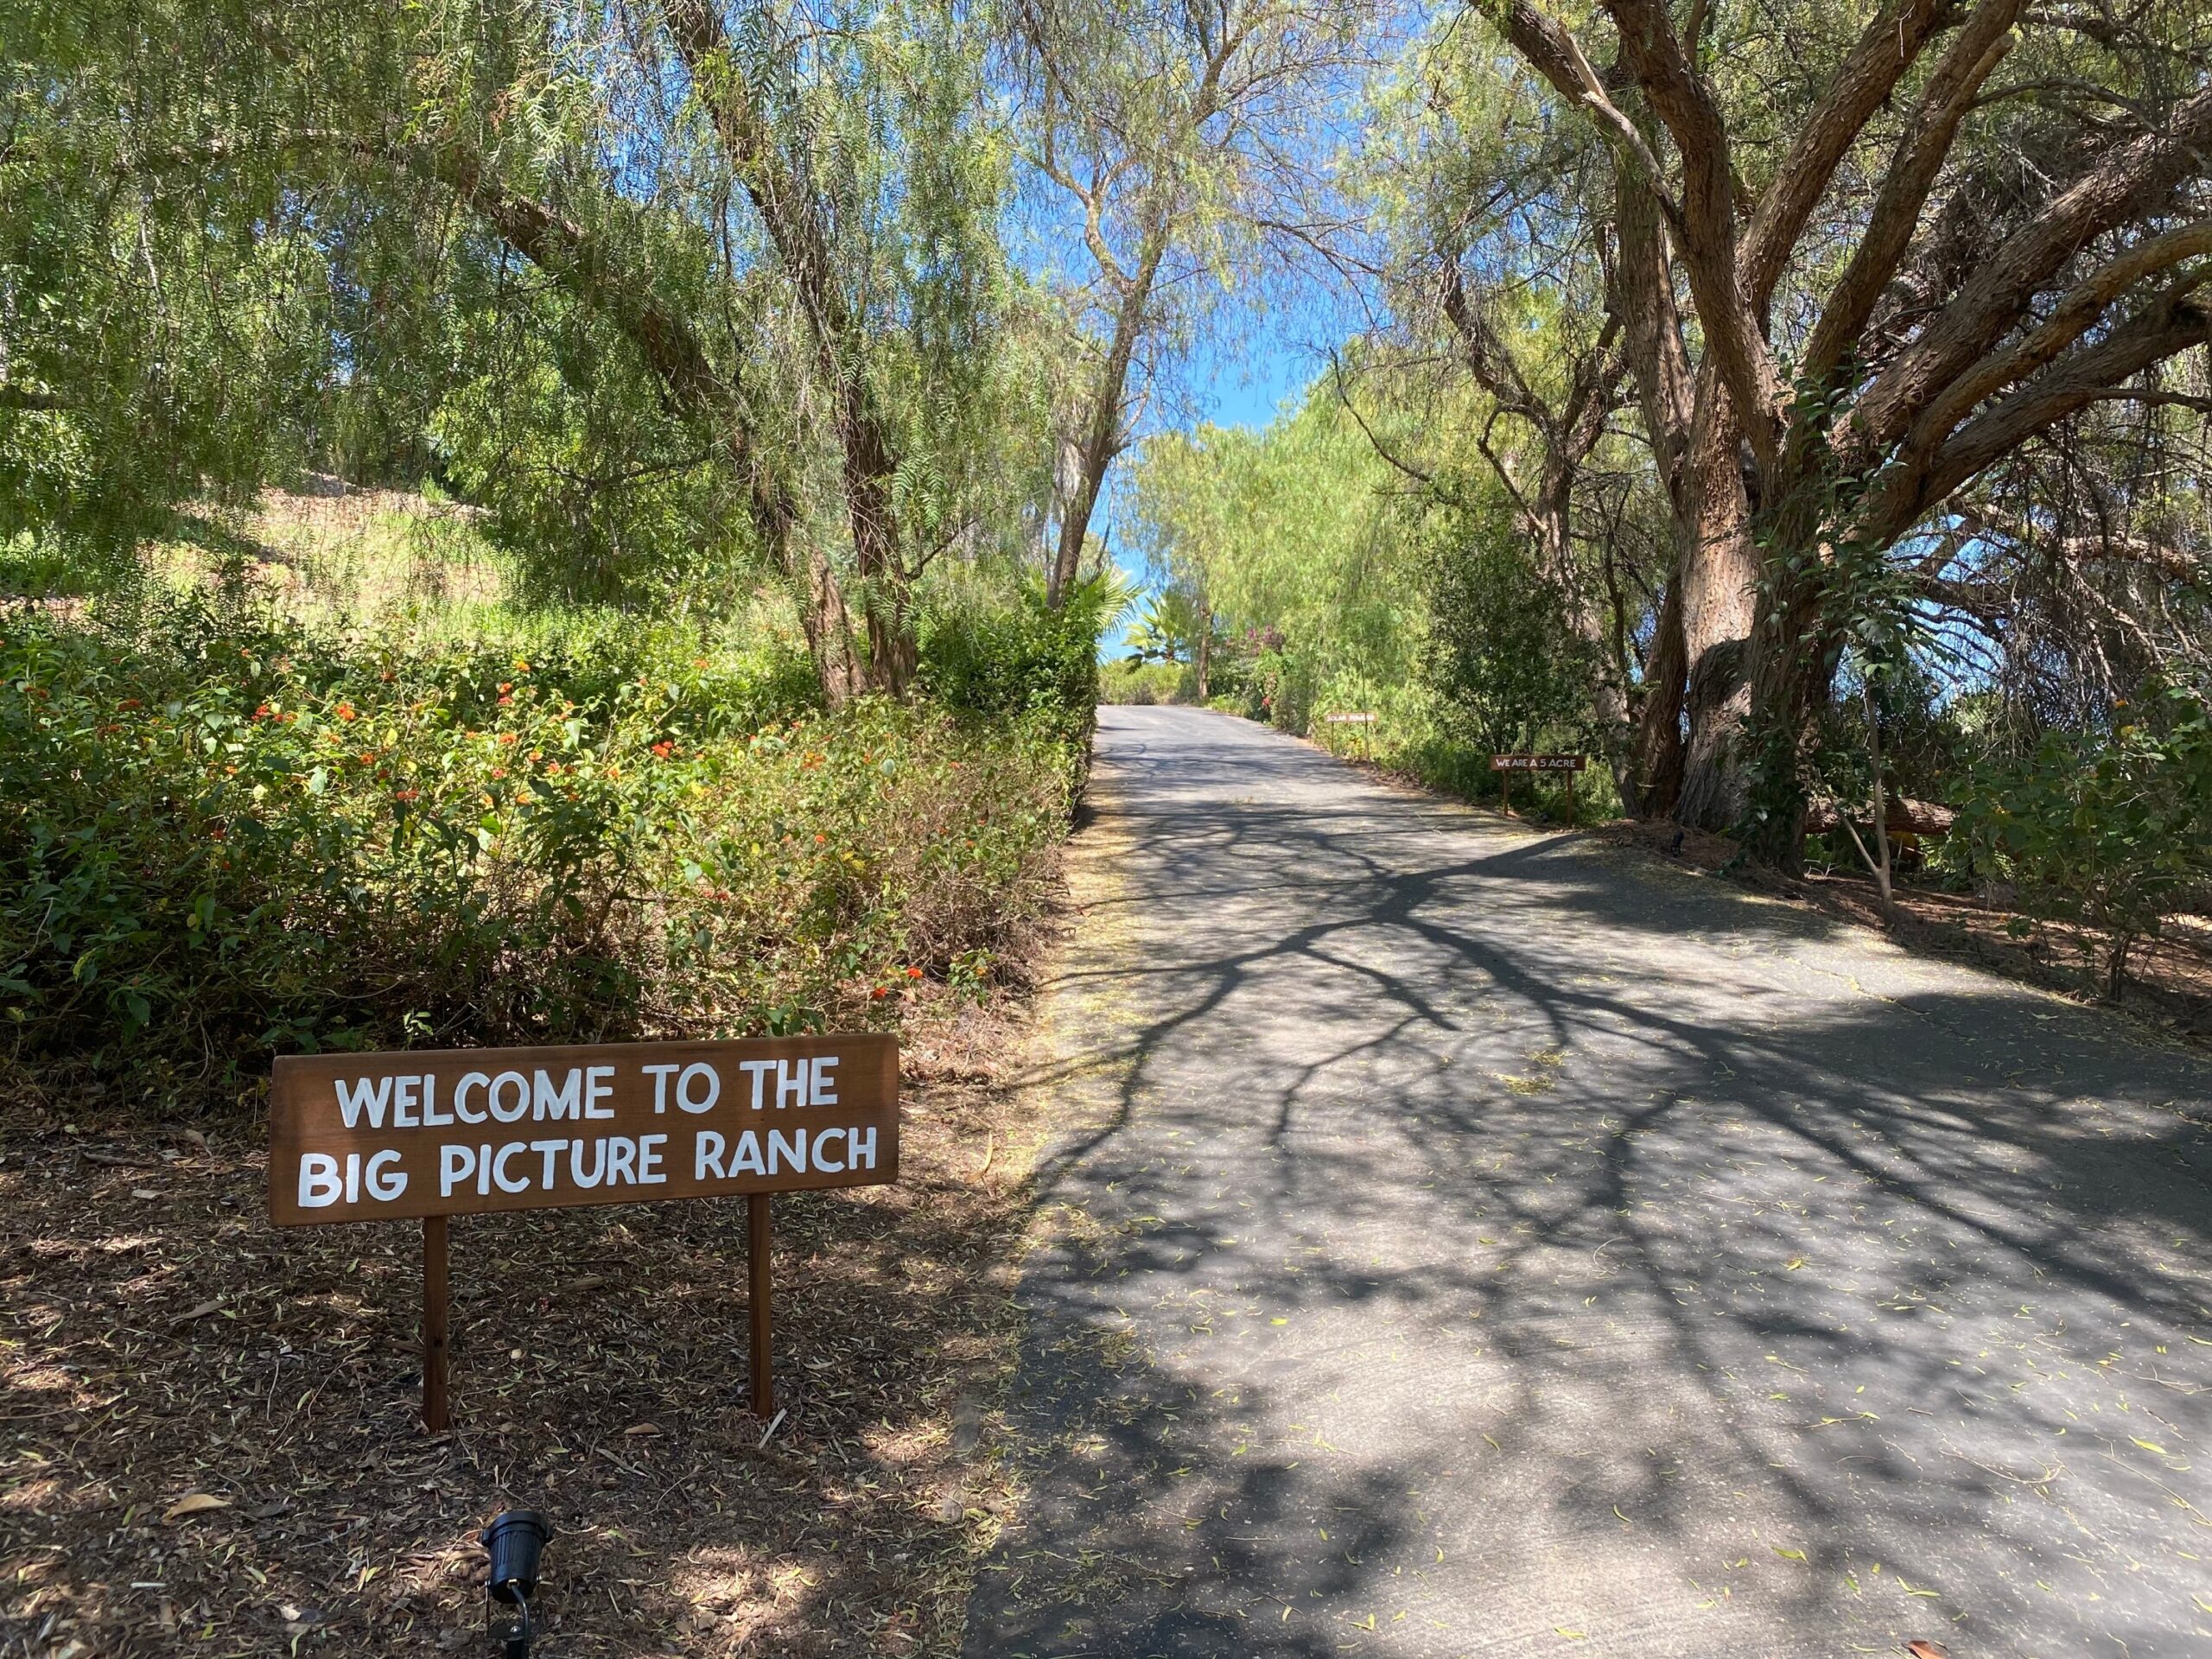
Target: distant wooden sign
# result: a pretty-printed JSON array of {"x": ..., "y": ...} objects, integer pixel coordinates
[
  {"x": 1360, "y": 718},
  {"x": 1510, "y": 764},
  {"x": 437, "y": 1133},
  {"x": 1538, "y": 763}
]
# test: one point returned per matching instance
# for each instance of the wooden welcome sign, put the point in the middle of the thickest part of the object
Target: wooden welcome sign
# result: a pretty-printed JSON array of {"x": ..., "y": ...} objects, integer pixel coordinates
[
  {"x": 1510, "y": 764},
  {"x": 431, "y": 1135}
]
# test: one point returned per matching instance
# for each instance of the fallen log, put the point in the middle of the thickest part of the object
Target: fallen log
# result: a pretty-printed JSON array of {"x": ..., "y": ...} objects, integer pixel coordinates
[{"x": 1905, "y": 817}]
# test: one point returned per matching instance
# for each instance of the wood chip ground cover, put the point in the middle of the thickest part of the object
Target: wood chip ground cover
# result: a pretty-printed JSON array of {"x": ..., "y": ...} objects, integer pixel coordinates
[{"x": 211, "y": 1443}]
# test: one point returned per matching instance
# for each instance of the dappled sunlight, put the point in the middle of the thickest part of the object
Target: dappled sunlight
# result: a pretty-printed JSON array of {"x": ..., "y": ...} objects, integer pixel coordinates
[{"x": 1582, "y": 1246}]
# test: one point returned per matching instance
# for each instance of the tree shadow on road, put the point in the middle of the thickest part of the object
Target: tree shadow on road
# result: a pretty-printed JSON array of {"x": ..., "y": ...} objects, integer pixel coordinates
[{"x": 1607, "y": 1250}]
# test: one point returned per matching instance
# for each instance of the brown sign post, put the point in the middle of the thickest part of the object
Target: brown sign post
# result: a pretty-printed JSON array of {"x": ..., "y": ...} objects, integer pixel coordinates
[
  {"x": 1510, "y": 764},
  {"x": 1362, "y": 718},
  {"x": 431, "y": 1135}
]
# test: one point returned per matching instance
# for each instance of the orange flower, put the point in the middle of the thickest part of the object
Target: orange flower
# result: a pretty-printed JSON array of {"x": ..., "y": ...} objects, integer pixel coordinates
[
  {"x": 345, "y": 711},
  {"x": 506, "y": 737},
  {"x": 262, "y": 712},
  {"x": 498, "y": 771},
  {"x": 698, "y": 662},
  {"x": 662, "y": 751},
  {"x": 406, "y": 794},
  {"x": 913, "y": 973},
  {"x": 504, "y": 700},
  {"x": 507, "y": 685},
  {"x": 820, "y": 840},
  {"x": 881, "y": 990}
]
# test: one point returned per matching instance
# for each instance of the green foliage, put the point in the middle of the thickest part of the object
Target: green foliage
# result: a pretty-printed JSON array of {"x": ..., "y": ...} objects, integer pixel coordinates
[
  {"x": 225, "y": 835},
  {"x": 1165, "y": 631},
  {"x": 512, "y": 242},
  {"x": 1308, "y": 571},
  {"x": 1024, "y": 658},
  {"x": 1143, "y": 684},
  {"x": 1501, "y": 650},
  {"x": 2107, "y": 830},
  {"x": 589, "y": 480}
]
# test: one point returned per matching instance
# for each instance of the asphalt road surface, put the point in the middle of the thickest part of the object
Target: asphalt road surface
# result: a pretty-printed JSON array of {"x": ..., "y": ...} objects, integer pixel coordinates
[{"x": 1462, "y": 1239}]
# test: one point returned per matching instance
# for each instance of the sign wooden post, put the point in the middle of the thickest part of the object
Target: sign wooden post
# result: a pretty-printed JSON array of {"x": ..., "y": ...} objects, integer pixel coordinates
[
  {"x": 1361, "y": 718},
  {"x": 1506, "y": 765},
  {"x": 436, "y": 1330},
  {"x": 366, "y": 1137},
  {"x": 756, "y": 1281}
]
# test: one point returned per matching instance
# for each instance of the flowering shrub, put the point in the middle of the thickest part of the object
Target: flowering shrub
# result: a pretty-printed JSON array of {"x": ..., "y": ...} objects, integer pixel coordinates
[{"x": 223, "y": 835}]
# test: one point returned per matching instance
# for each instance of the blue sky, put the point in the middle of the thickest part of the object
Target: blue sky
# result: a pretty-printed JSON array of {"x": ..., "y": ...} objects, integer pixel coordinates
[
  {"x": 1246, "y": 386},
  {"x": 1249, "y": 390}
]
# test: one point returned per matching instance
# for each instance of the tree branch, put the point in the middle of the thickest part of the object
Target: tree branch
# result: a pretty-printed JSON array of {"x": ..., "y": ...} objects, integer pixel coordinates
[
  {"x": 1893, "y": 39},
  {"x": 1552, "y": 52},
  {"x": 2129, "y": 178},
  {"x": 2075, "y": 314},
  {"x": 2178, "y": 320},
  {"x": 1708, "y": 229},
  {"x": 1914, "y": 167}
]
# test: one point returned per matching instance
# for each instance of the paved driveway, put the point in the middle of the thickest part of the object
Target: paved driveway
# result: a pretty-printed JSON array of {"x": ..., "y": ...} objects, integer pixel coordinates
[{"x": 1465, "y": 1240}]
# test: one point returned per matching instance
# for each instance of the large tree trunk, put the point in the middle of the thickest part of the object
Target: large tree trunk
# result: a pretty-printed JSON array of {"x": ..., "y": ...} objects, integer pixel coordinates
[
  {"x": 1550, "y": 528},
  {"x": 887, "y": 598},
  {"x": 1204, "y": 662},
  {"x": 1657, "y": 767},
  {"x": 887, "y": 607},
  {"x": 1101, "y": 439},
  {"x": 1791, "y": 669},
  {"x": 1787, "y": 684},
  {"x": 1719, "y": 581},
  {"x": 1641, "y": 295},
  {"x": 823, "y": 616},
  {"x": 1093, "y": 455}
]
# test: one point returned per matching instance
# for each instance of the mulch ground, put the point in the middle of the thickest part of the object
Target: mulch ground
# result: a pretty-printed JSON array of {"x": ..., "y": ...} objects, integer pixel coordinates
[{"x": 212, "y": 1443}]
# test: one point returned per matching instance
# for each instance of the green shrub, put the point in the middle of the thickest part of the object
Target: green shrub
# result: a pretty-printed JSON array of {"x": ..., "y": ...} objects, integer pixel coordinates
[
  {"x": 1501, "y": 653},
  {"x": 1143, "y": 684},
  {"x": 1025, "y": 659},
  {"x": 2111, "y": 831},
  {"x": 223, "y": 835}
]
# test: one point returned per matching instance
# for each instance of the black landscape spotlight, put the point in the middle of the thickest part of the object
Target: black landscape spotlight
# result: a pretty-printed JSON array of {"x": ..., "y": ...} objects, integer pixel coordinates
[{"x": 515, "y": 1541}]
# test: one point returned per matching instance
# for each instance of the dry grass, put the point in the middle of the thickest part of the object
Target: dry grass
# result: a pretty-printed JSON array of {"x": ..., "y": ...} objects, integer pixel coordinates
[
  {"x": 350, "y": 553},
  {"x": 164, "y": 1341}
]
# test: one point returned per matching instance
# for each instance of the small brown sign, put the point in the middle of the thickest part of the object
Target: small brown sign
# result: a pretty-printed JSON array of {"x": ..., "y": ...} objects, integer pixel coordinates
[
  {"x": 372, "y": 1137},
  {"x": 1537, "y": 763}
]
